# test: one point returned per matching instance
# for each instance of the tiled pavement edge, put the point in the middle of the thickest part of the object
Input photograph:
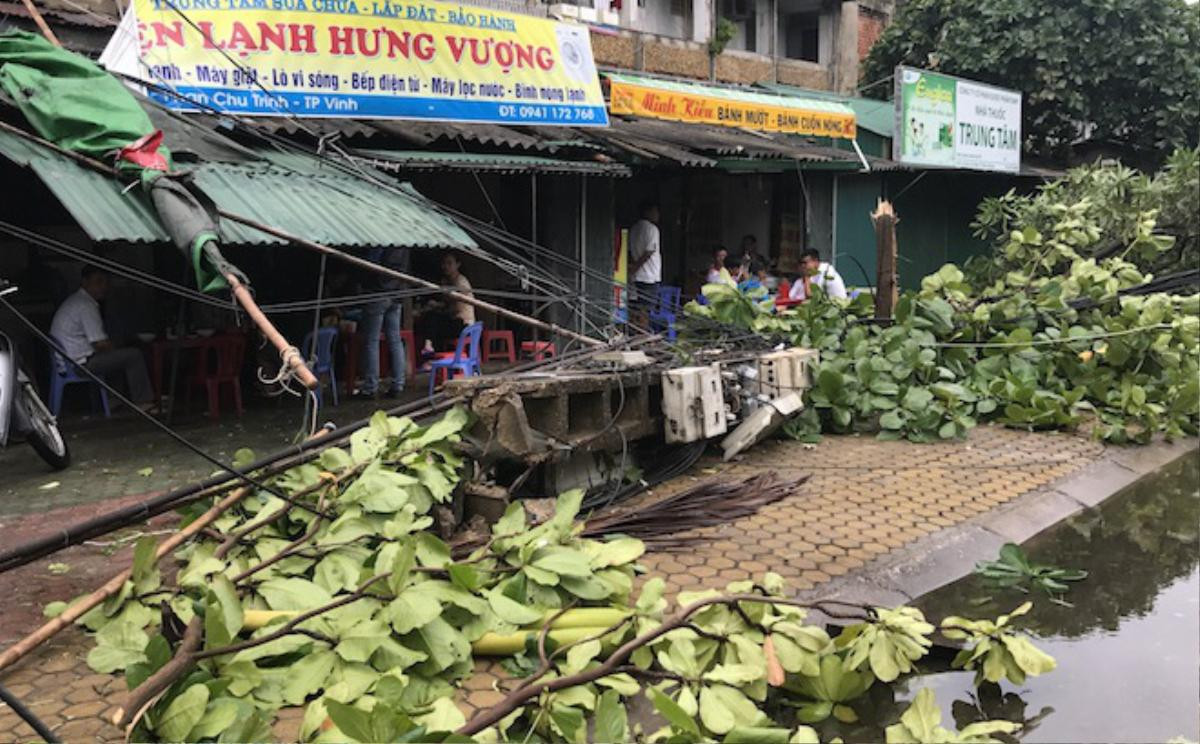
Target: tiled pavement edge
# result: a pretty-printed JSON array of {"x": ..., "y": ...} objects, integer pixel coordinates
[{"x": 860, "y": 514}]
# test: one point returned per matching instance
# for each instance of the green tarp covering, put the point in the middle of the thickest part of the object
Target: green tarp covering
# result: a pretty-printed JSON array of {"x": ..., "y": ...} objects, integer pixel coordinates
[{"x": 67, "y": 98}]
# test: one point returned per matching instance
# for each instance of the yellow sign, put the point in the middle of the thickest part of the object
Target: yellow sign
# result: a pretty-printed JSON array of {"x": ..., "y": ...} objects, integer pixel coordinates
[
  {"x": 707, "y": 105},
  {"x": 370, "y": 59}
]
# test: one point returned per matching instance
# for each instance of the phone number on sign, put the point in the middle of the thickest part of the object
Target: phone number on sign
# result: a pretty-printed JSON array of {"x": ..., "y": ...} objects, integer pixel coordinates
[{"x": 546, "y": 113}]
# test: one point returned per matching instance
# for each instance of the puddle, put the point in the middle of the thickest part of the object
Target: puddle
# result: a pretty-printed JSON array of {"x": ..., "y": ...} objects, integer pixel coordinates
[{"x": 1128, "y": 652}]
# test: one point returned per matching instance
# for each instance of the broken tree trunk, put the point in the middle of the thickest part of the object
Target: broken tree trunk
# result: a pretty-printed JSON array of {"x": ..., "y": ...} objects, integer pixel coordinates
[
  {"x": 886, "y": 292},
  {"x": 79, "y": 608}
]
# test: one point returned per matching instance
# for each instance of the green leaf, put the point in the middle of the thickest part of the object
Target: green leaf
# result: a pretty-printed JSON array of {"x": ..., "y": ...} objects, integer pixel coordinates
[
  {"x": 228, "y": 603},
  {"x": 510, "y": 611},
  {"x": 293, "y": 594},
  {"x": 1032, "y": 660},
  {"x": 308, "y": 676},
  {"x": 579, "y": 655},
  {"x": 145, "y": 573},
  {"x": 219, "y": 715},
  {"x": 675, "y": 715},
  {"x": 563, "y": 562},
  {"x": 465, "y": 576},
  {"x": 619, "y": 552},
  {"x": 182, "y": 713},
  {"x": 431, "y": 551},
  {"x": 410, "y": 611},
  {"x": 361, "y": 640},
  {"x": 569, "y": 722},
  {"x": 118, "y": 644},
  {"x": 256, "y": 727},
  {"x": 444, "y": 716},
  {"x": 611, "y": 719},
  {"x": 756, "y": 735}
]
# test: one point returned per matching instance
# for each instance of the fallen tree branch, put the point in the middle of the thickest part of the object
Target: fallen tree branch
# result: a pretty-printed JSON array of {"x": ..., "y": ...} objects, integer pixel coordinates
[
  {"x": 140, "y": 698},
  {"x": 614, "y": 662},
  {"x": 80, "y": 607}
]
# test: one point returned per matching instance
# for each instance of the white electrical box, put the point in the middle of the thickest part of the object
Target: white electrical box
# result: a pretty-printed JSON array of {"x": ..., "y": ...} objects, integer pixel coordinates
[
  {"x": 693, "y": 404},
  {"x": 783, "y": 372}
]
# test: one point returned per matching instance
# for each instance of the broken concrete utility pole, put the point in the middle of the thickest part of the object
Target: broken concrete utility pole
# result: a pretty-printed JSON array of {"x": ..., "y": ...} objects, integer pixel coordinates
[{"x": 886, "y": 292}]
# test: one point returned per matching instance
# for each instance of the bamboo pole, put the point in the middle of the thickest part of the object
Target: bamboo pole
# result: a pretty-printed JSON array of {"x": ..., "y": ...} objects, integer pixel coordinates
[
  {"x": 78, "y": 609},
  {"x": 36, "y": 15},
  {"x": 288, "y": 354}
]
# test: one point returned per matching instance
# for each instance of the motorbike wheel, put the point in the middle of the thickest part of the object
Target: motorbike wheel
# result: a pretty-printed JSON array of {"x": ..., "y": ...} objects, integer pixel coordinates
[{"x": 44, "y": 436}]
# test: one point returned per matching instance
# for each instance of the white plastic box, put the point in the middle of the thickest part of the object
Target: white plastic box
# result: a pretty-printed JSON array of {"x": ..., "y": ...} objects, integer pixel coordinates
[
  {"x": 783, "y": 372},
  {"x": 693, "y": 404}
]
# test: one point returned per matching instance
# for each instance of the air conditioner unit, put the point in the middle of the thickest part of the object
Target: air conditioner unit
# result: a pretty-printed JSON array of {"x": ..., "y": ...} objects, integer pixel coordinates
[
  {"x": 693, "y": 404},
  {"x": 787, "y": 371}
]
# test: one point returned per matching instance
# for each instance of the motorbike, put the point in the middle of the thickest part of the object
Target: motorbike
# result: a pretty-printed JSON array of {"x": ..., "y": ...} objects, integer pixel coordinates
[{"x": 23, "y": 415}]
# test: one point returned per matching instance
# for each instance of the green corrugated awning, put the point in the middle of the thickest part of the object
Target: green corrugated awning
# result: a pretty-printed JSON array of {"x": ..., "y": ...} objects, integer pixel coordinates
[
  {"x": 872, "y": 114},
  {"x": 327, "y": 207},
  {"x": 394, "y": 160}
]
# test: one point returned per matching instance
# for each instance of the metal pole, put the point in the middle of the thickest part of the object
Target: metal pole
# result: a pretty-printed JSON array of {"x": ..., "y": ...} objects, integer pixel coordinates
[{"x": 582, "y": 247}]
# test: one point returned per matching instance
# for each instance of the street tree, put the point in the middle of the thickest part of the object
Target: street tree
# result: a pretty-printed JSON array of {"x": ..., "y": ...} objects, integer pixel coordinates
[{"x": 1121, "y": 72}]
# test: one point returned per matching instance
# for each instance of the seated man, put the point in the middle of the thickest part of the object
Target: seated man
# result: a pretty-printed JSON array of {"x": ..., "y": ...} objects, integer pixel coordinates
[
  {"x": 79, "y": 330},
  {"x": 816, "y": 273},
  {"x": 444, "y": 318}
]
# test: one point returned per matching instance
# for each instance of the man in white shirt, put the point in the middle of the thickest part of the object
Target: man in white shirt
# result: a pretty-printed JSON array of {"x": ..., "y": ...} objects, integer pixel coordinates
[
  {"x": 79, "y": 330},
  {"x": 816, "y": 273},
  {"x": 645, "y": 255}
]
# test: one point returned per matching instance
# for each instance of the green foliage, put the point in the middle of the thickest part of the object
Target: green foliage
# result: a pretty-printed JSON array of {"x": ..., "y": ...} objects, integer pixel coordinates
[
  {"x": 1014, "y": 569},
  {"x": 1001, "y": 341},
  {"x": 1122, "y": 73},
  {"x": 995, "y": 650},
  {"x": 921, "y": 724},
  {"x": 890, "y": 644},
  {"x": 397, "y": 622}
]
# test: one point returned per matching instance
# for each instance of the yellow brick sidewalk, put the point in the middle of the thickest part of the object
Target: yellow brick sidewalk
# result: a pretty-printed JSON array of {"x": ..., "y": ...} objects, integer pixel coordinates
[{"x": 864, "y": 498}]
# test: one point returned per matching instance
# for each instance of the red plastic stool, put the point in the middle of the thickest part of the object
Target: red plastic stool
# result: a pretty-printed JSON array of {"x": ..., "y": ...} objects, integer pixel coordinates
[
  {"x": 539, "y": 350},
  {"x": 508, "y": 350}
]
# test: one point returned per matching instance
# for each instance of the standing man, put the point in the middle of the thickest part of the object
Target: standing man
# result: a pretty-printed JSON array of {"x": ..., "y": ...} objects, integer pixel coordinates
[
  {"x": 79, "y": 330},
  {"x": 645, "y": 253},
  {"x": 816, "y": 273},
  {"x": 383, "y": 314}
]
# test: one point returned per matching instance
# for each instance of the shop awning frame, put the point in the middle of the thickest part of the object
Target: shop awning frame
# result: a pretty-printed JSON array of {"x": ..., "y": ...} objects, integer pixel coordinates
[{"x": 424, "y": 160}]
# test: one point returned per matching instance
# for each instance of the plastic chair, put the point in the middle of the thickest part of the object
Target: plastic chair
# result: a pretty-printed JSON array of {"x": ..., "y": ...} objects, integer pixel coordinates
[
  {"x": 65, "y": 372},
  {"x": 323, "y": 364},
  {"x": 229, "y": 351},
  {"x": 465, "y": 358},
  {"x": 507, "y": 341},
  {"x": 539, "y": 350}
]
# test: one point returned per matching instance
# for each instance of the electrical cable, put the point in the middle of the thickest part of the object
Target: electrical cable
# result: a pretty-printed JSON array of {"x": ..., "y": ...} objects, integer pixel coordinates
[{"x": 27, "y": 715}]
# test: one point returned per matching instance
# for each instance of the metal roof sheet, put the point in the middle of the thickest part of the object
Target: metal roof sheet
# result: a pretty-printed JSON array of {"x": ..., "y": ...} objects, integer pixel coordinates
[
  {"x": 327, "y": 207},
  {"x": 336, "y": 210},
  {"x": 396, "y": 160},
  {"x": 709, "y": 141},
  {"x": 101, "y": 206}
]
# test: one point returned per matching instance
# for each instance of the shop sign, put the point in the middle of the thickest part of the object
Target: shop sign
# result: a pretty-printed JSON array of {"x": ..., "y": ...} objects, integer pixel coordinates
[
  {"x": 370, "y": 59},
  {"x": 954, "y": 123},
  {"x": 706, "y": 105}
]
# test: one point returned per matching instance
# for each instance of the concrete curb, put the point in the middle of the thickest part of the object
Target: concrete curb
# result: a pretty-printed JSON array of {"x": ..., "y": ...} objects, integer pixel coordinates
[{"x": 947, "y": 555}]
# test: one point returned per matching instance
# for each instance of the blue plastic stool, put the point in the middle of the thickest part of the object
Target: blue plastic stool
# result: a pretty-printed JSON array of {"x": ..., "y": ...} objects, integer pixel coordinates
[
  {"x": 323, "y": 364},
  {"x": 464, "y": 360},
  {"x": 65, "y": 372}
]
